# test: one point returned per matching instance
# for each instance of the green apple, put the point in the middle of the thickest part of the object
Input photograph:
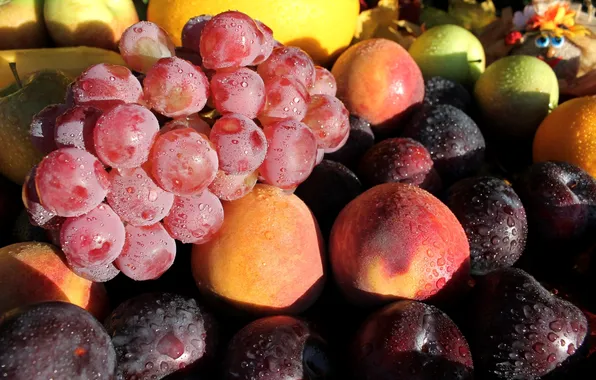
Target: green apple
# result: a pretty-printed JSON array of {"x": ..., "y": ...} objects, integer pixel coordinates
[
  {"x": 449, "y": 51},
  {"x": 18, "y": 104},
  {"x": 98, "y": 23},
  {"x": 21, "y": 24},
  {"x": 514, "y": 95}
]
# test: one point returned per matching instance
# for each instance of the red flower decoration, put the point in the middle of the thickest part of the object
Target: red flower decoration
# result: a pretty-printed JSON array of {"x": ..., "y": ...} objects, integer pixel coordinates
[{"x": 513, "y": 38}]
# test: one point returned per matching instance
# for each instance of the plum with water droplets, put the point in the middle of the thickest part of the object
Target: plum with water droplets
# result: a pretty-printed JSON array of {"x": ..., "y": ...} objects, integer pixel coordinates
[
  {"x": 157, "y": 334},
  {"x": 494, "y": 220},
  {"x": 360, "y": 140},
  {"x": 453, "y": 139},
  {"x": 277, "y": 348},
  {"x": 410, "y": 340},
  {"x": 520, "y": 330},
  {"x": 54, "y": 340},
  {"x": 439, "y": 90}
]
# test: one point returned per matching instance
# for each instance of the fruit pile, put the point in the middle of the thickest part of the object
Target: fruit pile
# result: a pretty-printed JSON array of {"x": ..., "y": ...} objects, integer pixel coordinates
[{"x": 131, "y": 165}]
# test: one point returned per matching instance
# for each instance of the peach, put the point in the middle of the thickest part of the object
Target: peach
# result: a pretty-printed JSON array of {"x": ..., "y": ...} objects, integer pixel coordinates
[
  {"x": 397, "y": 241},
  {"x": 267, "y": 258},
  {"x": 379, "y": 81},
  {"x": 35, "y": 272}
]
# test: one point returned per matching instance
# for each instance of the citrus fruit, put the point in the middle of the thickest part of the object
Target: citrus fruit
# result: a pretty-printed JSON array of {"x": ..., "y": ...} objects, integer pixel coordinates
[
  {"x": 569, "y": 134},
  {"x": 321, "y": 28},
  {"x": 515, "y": 94}
]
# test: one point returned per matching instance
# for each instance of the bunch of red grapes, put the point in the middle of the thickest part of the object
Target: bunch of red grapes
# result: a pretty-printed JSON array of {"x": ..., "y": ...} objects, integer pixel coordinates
[{"x": 131, "y": 164}]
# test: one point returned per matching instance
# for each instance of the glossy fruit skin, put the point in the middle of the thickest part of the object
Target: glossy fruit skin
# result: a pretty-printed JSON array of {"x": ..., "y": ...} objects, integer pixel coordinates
[
  {"x": 360, "y": 139},
  {"x": 54, "y": 340},
  {"x": 519, "y": 330},
  {"x": 329, "y": 188},
  {"x": 439, "y": 90},
  {"x": 411, "y": 340},
  {"x": 157, "y": 334},
  {"x": 399, "y": 159},
  {"x": 560, "y": 200},
  {"x": 453, "y": 139},
  {"x": 494, "y": 219},
  {"x": 277, "y": 348}
]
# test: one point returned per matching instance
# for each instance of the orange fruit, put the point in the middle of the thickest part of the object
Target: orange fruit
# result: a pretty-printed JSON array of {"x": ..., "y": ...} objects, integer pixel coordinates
[
  {"x": 568, "y": 134},
  {"x": 321, "y": 28}
]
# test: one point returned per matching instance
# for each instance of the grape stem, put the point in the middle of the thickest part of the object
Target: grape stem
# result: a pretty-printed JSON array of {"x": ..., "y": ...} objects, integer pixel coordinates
[{"x": 13, "y": 68}]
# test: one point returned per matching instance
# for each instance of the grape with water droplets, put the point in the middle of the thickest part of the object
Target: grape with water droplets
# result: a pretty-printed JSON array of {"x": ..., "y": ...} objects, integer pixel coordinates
[
  {"x": 37, "y": 214},
  {"x": 329, "y": 119},
  {"x": 157, "y": 334},
  {"x": 229, "y": 187},
  {"x": 136, "y": 198},
  {"x": 143, "y": 44},
  {"x": 266, "y": 43},
  {"x": 74, "y": 128},
  {"x": 96, "y": 273},
  {"x": 175, "y": 87},
  {"x": 123, "y": 136},
  {"x": 240, "y": 144},
  {"x": 193, "y": 121},
  {"x": 71, "y": 182},
  {"x": 291, "y": 154},
  {"x": 148, "y": 252},
  {"x": 324, "y": 84},
  {"x": 183, "y": 161},
  {"x": 195, "y": 219},
  {"x": 239, "y": 91},
  {"x": 105, "y": 82},
  {"x": 43, "y": 126},
  {"x": 95, "y": 238},
  {"x": 286, "y": 98},
  {"x": 289, "y": 61},
  {"x": 192, "y": 30}
]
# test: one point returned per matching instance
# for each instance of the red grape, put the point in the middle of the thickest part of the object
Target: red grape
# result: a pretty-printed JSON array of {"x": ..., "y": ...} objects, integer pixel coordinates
[
  {"x": 175, "y": 87},
  {"x": 74, "y": 128},
  {"x": 38, "y": 215},
  {"x": 143, "y": 44},
  {"x": 289, "y": 62},
  {"x": 329, "y": 119},
  {"x": 96, "y": 273},
  {"x": 191, "y": 32},
  {"x": 267, "y": 43},
  {"x": 93, "y": 239},
  {"x": 240, "y": 144},
  {"x": 193, "y": 121},
  {"x": 291, "y": 154},
  {"x": 286, "y": 98},
  {"x": 124, "y": 135},
  {"x": 231, "y": 39},
  {"x": 136, "y": 198},
  {"x": 42, "y": 128},
  {"x": 106, "y": 82},
  {"x": 71, "y": 182},
  {"x": 195, "y": 219},
  {"x": 238, "y": 91},
  {"x": 183, "y": 161},
  {"x": 325, "y": 83},
  {"x": 229, "y": 187},
  {"x": 148, "y": 252},
  {"x": 320, "y": 156}
]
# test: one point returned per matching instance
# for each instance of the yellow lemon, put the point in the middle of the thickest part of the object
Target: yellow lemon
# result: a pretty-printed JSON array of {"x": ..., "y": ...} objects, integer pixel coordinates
[{"x": 321, "y": 28}]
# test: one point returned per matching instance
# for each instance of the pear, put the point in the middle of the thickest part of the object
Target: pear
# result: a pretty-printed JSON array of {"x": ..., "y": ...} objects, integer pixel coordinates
[{"x": 18, "y": 104}]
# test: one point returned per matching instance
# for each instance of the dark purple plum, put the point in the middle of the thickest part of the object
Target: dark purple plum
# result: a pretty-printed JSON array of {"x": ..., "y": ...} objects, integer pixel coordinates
[
  {"x": 494, "y": 220},
  {"x": 327, "y": 190},
  {"x": 277, "y": 348},
  {"x": 520, "y": 330},
  {"x": 360, "y": 140},
  {"x": 453, "y": 139},
  {"x": 560, "y": 200},
  {"x": 439, "y": 90},
  {"x": 157, "y": 334},
  {"x": 411, "y": 340},
  {"x": 399, "y": 160},
  {"x": 54, "y": 340}
]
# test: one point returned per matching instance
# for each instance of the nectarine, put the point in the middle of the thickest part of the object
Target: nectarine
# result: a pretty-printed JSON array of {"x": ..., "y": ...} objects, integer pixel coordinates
[{"x": 398, "y": 241}]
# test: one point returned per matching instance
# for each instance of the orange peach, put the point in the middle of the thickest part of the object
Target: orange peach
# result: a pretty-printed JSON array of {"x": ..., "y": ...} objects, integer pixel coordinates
[
  {"x": 266, "y": 258},
  {"x": 379, "y": 81},
  {"x": 35, "y": 272},
  {"x": 397, "y": 241}
]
